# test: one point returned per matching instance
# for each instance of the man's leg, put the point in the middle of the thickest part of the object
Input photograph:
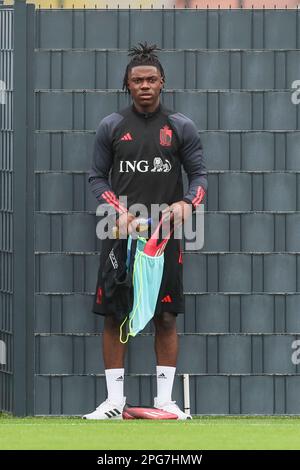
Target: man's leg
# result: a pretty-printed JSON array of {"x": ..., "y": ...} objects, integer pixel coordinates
[
  {"x": 166, "y": 339},
  {"x": 166, "y": 349},
  {"x": 113, "y": 355},
  {"x": 113, "y": 350}
]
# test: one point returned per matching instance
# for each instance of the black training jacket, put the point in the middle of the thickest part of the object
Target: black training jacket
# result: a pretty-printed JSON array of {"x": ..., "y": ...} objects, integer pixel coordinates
[{"x": 139, "y": 155}]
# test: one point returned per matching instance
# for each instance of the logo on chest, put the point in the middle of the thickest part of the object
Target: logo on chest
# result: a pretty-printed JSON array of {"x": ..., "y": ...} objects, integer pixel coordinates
[
  {"x": 165, "y": 136},
  {"x": 143, "y": 166}
]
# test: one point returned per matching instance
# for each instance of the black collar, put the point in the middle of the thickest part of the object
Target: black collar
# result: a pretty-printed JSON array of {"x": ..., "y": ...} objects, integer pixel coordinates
[{"x": 146, "y": 115}]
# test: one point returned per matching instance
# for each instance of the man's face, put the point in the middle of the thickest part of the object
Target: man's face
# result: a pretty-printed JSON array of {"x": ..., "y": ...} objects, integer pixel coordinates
[{"x": 145, "y": 83}]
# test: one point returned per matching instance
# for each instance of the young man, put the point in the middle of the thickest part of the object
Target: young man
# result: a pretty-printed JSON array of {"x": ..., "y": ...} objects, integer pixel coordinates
[{"x": 144, "y": 146}]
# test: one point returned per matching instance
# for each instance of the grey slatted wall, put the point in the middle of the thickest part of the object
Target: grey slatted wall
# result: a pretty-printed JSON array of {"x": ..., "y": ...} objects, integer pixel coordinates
[
  {"x": 6, "y": 208},
  {"x": 231, "y": 72},
  {"x": 16, "y": 209}
]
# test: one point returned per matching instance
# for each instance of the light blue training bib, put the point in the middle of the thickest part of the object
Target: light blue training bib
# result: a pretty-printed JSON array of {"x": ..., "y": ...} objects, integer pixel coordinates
[{"x": 147, "y": 277}]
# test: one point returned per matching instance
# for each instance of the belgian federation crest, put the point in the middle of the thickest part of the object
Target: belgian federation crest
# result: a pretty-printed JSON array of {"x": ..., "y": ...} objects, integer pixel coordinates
[{"x": 165, "y": 136}]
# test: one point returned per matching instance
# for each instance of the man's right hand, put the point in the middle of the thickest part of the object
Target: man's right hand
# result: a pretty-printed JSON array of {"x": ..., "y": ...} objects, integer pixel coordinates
[{"x": 123, "y": 222}]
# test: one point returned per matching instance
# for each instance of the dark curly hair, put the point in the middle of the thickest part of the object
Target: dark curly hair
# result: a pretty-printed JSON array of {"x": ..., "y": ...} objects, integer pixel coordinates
[{"x": 142, "y": 55}]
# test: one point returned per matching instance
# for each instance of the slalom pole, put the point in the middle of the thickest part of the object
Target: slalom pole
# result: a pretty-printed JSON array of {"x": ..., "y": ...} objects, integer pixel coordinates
[{"x": 186, "y": 393}]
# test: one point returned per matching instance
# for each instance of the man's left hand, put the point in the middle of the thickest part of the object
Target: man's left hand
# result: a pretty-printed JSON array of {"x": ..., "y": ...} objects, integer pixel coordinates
[{"x": 180, "y": 211}]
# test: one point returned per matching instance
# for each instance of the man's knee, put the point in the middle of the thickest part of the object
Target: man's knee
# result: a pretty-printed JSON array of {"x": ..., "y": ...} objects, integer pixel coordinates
[
  {"x": 111, "y": 324},
  {"x": 165, "y": 322}
]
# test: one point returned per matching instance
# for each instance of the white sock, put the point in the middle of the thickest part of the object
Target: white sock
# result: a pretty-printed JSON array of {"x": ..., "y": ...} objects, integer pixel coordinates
[
  {"x": 115, "y": 385},
  {"x": 164, "y": 378}
]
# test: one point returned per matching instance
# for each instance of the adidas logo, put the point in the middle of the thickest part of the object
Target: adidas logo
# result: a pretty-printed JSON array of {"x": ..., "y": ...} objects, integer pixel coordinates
[
  {"x": 162, "y": 376},
  {"x": 127, "y": 136},
  {"x": 119, "y": 379},
  {"x": 167, "y": 298},
  {"x": 112, "y": 413}
]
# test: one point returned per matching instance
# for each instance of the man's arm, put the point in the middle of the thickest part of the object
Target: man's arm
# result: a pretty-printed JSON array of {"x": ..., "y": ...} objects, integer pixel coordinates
[
  {"x": 101, "y": 165},
  {"x": 193, "y": 164}
]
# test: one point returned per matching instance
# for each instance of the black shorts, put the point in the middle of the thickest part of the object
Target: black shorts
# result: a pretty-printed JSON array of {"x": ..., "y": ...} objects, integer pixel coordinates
[{"x": 170, "y": 297}]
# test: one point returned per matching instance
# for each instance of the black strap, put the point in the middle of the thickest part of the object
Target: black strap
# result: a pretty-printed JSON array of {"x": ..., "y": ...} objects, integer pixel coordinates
[{"x": 132, "y": 255}]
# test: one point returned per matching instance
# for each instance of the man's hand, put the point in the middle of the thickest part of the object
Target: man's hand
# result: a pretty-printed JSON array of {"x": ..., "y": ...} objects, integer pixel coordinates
[
  {"x": 180, "y": 211},
  {"x": 123, "y": 222},
  {"x": 138, "y": 224}
]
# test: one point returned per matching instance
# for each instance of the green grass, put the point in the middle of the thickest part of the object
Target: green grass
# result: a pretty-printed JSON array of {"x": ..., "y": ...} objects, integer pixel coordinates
[{"x": 201, "y": 433}]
